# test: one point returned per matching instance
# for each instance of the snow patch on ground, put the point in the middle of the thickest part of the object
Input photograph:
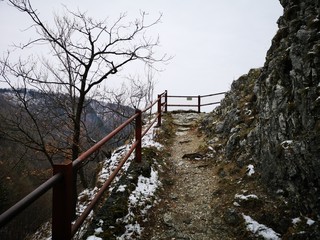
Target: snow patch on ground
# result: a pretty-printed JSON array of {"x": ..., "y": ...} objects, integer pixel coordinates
[
  {"x": 245, "y": 197},
  {"x": 94, "y": 238},
  {"x": 310, "y": 221},
  {"x": 260, "y": 229},
  {"x": 236, "y": 204},
  {"x": 109, "y": 165},
  {"x": 143, "y": 197},
  {"x": 307, "y": 221},
  {"x": 296, "y": 220},
  {"x": 250, "y": 170},
  {"x": 148, "y": 140},
  {"x": 121, "y": 188},
  {"x": 144, "y": 192}
]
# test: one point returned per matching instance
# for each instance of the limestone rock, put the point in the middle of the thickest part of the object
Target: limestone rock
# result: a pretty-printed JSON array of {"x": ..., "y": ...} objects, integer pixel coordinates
[{"x": 272, "y": 114}]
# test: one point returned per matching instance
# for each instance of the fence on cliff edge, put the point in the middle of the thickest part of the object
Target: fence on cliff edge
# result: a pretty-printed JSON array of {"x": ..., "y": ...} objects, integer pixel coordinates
[{"x": 61, "y": 181}]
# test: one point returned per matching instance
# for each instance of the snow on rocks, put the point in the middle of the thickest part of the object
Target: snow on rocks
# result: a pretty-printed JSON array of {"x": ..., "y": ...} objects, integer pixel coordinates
[
  {"x": 250, "y": 170},
  {"x": 149, "y": 139},
  {"x": 94, "y": 238},
  {"x": 260, "y": 229},
  {"x": 298, "y": 220},
  {"x": 110, "y": 165},
  {"x": 310, "y": 221},
  {"x": 286, "y": 144},
  {"x": 245, "y": 197},
  {"x": 145, "y": 189},
  {"x": 85, "y": 197},
  {"x": 247, "y": 201},
  {"x": 121, "y": 188},
  {"x": 98, "y": 230},
  {"x": 143, "y": 196}
]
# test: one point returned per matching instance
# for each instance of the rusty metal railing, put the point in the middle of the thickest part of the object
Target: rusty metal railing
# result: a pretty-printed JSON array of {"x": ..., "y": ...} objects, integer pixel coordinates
[
  {"x": 61, "y": 182},
  {"x": 198, "y": 98}
]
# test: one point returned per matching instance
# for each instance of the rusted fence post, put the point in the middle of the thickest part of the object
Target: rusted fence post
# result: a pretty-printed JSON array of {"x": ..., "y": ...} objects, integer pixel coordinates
[
  {"x": 138, "y": 135},
  {"x": 159, "y": 110},
  {"x": 62, "y": 203},
  {"x": 199, "y": 103},
  {"x": 165, "y": 101}
]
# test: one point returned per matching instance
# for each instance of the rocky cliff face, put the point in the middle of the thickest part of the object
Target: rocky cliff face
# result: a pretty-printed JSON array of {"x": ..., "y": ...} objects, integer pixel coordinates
[
  {"x": 271, "y": 116},
  {"x": 288, "y": 93}
]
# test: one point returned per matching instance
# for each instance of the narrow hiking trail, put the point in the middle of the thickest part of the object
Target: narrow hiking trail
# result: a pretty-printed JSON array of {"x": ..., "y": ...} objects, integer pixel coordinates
[{"x": 188, "y": 205}]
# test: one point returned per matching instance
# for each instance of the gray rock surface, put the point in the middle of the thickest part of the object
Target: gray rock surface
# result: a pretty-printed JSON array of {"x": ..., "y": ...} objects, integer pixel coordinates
[
  {"x": 271, "y": 116},
  {"x": 288, "y": 106}
]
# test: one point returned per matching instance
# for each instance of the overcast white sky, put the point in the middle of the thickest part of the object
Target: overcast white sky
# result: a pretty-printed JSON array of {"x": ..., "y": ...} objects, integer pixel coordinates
[{"x": 213, "y": 41}]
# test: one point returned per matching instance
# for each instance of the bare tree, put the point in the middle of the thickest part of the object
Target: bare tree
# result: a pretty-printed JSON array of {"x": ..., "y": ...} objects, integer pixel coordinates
[
  {"x": 139, "y": 94},
  {"x": 83, "y": 54},
  {"x": 141, "y": 91}
]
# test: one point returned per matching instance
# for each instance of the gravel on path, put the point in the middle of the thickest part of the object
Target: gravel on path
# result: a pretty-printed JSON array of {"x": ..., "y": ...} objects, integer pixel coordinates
[{"x": 188, "y": 208}]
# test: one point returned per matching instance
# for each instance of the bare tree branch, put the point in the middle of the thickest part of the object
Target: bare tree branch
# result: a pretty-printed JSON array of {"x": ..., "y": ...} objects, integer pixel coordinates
[{"x": 83, "y": 53}]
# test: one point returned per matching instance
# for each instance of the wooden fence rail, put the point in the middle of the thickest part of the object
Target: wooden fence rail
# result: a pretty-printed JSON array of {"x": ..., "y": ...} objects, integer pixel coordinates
[{"x": 61, "y": 181}]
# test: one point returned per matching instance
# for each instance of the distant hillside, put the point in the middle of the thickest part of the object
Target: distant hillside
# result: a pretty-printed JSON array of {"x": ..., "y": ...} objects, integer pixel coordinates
[
  {"x": 103, "y": 115},
  {"x": 22, "y": 168},
  {"x": 51, "y": 111}
]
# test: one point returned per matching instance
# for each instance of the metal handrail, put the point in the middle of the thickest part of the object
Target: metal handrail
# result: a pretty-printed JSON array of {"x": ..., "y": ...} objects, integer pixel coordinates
[
  {"x": 198, "y": 97},
  {"x": 213, "y": 94},
  {"x": 29, "y": 199},
  {"x": 60, "y": 182},
  {"x": 56, "y": 179},
  {"x": 103, "y": 141},
  {"x": 99, "y": 194}
]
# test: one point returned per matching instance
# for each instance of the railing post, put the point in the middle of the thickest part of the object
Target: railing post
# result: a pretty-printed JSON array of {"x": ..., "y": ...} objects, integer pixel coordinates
[
  {"x": 62, "y": 203},
  {"x": 199, "y": 103},
  {"x": 138, "y": 135},
  {"x": 166, "y": 101},
  {"x": 159, "y": 110}
]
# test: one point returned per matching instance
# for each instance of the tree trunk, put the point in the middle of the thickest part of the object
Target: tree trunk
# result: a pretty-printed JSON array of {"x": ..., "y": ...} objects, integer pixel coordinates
[{"x": 76, "y": 148}]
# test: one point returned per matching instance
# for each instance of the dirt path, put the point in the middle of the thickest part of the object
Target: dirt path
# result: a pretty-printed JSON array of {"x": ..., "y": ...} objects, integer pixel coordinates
[{"x": 188, "y": 208}]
